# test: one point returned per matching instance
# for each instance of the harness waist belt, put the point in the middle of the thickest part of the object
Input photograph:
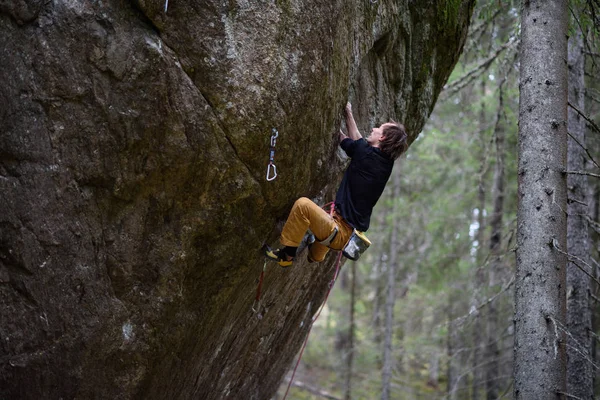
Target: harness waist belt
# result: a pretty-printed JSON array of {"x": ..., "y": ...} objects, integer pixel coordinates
[{"x": 330, "y": 238}]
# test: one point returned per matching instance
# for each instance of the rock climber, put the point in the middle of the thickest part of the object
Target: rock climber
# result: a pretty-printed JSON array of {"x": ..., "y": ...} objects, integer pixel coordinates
[{"x": 372, "y": 160}]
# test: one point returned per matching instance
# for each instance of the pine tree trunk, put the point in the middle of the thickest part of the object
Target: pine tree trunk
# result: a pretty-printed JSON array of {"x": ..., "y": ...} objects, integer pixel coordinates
[
  {"x": 391, "y": 299},
  {"x": 379, "y": 267},
  {"x": 593, "y": 196},
  {"x": 342, "y": 337},
  {"x": 452, "y": 348},
  {"x": 350, "y": 350},
  {"x": 594, "y": 243},
  {"x": 540, "y": 307},
  {"x": 479, "y": 273},
  {"x": 493, "y": 341},
  {"x": 579, "y": 319},
  {"x": 478, "y": 357}
]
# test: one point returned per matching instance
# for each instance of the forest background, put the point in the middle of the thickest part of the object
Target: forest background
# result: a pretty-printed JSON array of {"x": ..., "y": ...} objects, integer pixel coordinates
[{"x": 444, "y": 237}]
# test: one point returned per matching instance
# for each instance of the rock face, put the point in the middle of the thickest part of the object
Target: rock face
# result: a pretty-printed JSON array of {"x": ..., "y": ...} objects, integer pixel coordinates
[{"x": 134, "y": 142}]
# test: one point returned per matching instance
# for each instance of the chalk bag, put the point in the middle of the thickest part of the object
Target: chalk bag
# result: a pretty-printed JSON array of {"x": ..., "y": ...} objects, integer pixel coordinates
[{"x": 357, "y": 244}]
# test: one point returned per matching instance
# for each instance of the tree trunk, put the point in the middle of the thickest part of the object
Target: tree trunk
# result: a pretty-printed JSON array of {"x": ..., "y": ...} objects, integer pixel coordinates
[
  {"x": 350, "y": 349},
  {"x": 451, "y": 352},
  {"x": 342, "y": 338},
  {"x": 493, "y": 341},
  {"x": 379, "y": 268},
  {"x": 391, "y": 299},
  {"x": 479, "y": 273},
  {"x": 540, "y": 307},
  {"x": 579, "y": 319}
]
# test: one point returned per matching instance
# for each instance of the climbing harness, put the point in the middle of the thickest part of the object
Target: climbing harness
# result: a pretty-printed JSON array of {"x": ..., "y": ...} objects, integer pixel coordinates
[
  {"x": 356, "y": 245},
  {"x": 330, "y": 238},
  {"x": 256, "y": 304},
  {"x": 271, "y": 168}
]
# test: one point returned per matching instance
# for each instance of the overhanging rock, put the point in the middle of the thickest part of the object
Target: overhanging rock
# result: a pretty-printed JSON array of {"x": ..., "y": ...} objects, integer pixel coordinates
[{"x": 134, "y": 144}]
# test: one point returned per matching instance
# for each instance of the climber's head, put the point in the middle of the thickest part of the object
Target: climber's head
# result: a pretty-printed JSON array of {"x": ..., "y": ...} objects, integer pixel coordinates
[{"x": 390, "y": 138}]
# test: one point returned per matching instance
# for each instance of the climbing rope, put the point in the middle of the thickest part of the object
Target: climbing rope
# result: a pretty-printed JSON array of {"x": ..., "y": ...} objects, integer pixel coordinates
[
  {"x": 271, "y": 168},
  {"x": 331, "y": 283},
  {"x": 256, "y": 304}
]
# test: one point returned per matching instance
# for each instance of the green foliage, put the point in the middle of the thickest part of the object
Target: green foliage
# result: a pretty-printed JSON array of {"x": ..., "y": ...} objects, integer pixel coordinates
[{"x": 585, "y": 16}]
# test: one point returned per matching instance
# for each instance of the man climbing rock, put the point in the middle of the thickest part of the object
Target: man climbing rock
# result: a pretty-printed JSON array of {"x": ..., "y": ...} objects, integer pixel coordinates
[{"x": 371, "y": 164}]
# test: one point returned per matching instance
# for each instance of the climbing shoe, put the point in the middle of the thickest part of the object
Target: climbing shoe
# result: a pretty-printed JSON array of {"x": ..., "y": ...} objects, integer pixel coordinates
[{"x": 279, "y": 256}]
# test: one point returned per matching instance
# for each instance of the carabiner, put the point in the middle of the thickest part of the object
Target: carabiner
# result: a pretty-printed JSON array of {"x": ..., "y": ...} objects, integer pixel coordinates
[{"x": 272, "y": 170}]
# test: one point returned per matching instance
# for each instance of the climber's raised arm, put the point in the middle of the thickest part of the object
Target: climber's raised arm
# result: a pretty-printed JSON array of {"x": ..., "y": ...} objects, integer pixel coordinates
[{"x": 353, "y": 132}]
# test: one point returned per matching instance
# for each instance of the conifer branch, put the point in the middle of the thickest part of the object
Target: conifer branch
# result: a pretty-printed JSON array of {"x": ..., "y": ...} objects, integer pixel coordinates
[
  {"x": 461, "y": 82},
  {"x": 583, "y": 32},
  {"x": 594, "y": 335},
  {"x": 577, "y": 346},
  {"x": 477, "y": 32},
  {"x": 571, "y": 259},
  {"x": 582, "y": 173},
  {"x": 592, "y": 4},
  {"x": 314, "y": 390},
  {"x": 592, "y": 123},
  {"x": 589, "y": 93},
  {"x": 595, "y": 225},
  {"x": 473, "y": 310},
  {"x": 570, "y": 396},
  {"x": 584, "y": 148}
]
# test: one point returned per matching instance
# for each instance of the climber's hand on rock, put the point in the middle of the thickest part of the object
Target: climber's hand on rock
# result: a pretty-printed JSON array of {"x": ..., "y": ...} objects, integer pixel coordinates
[{"x": 342, "y": 135}]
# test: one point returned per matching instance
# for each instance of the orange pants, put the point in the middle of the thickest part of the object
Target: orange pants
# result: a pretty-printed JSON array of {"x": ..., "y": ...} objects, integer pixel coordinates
[{"x": 307, "y": 215}]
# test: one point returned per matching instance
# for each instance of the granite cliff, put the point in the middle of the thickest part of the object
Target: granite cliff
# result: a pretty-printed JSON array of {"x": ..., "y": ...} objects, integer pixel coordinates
[{"x": 134, "y": 141}]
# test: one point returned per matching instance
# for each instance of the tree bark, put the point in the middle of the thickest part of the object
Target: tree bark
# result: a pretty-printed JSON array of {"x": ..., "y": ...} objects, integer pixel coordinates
[
  {"x": 342, "y": 338},
  {"x": 350, "y": 349},
  {"x": 493, "y": 341},
  {"x": 479, "y": 273},
  {"x": 453, "y": 365},
  {"x": 540, "y": 307},
  {"x": 391, "y": 299},
  {"x": 379, "y": 268},
  {"x": 579, "y": 316}
]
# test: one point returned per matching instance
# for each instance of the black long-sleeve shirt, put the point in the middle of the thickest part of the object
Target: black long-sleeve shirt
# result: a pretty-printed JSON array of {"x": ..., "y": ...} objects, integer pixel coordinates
[{"x": 363, "y": 182}]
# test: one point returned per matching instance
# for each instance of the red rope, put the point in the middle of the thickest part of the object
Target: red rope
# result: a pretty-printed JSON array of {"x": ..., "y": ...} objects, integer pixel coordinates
[
  {"x": 260, "y": 281},
  {"x": 332, "y": 207},
  {"x": 331, "y": 283}
]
